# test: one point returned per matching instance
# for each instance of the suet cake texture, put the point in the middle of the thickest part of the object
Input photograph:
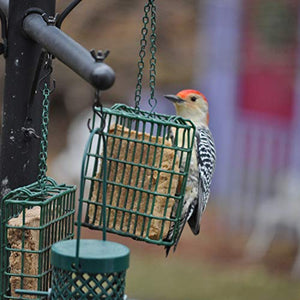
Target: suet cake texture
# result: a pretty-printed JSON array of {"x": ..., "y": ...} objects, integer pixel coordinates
[{"x": 137, "y": 161}]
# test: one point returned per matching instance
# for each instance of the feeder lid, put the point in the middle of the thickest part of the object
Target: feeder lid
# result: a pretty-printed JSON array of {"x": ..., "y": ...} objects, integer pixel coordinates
[{"x": 95, "y": 256}]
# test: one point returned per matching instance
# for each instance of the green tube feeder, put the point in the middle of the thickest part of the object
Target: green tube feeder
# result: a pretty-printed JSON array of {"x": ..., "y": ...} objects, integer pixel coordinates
[{"x": 100, "y": 273}]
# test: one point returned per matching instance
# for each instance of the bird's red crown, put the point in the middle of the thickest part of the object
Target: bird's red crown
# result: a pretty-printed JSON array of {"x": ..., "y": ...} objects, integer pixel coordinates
[{"x": 184, "y": 93}]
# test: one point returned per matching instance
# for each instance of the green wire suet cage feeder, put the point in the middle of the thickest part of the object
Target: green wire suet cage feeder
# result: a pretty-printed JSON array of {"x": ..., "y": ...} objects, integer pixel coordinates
[
  {"x": 148, "y": 159},
  {"x": 36, "y": 216},
  {"x": 36, "y": 219},
  {"x": 145, "y": 183}
]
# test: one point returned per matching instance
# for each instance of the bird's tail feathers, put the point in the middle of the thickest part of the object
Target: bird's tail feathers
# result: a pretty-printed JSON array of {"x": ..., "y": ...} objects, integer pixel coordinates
[
  {"x": 181, "y": 227},
  {"x": 194, "y": 218},
  {"x": 171, "y": 233}
]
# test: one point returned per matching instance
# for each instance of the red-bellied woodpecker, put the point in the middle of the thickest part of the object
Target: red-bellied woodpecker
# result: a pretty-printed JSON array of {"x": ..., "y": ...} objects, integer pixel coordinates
[{"x": 192, "y": 105}]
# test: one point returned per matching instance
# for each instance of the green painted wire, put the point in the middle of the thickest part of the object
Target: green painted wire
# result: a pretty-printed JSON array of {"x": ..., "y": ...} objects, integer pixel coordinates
[
  {"x": 82, "y": 186},
  {"x": 95, "y": 131},
  {"x": 150, "y": 8},
  {"x": 44, "y": 138}
]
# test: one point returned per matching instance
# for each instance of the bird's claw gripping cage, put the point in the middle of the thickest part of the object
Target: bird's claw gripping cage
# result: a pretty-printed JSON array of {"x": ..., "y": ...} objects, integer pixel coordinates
[{"x": 147, "y": 167}]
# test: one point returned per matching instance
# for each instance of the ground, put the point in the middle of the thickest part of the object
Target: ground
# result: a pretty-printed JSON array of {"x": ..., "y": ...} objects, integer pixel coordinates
[{"x": 210, "y": 266}]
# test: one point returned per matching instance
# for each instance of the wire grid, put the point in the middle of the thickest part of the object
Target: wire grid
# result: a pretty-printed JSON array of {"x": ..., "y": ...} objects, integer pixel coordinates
[
  {"x": 28, "y": 262},
  {"x": 3, "y": 281},
  {"x": 3, "y": 285},
  {"x": 148, "y": 158},
  {"x": 70, "y": 285}
]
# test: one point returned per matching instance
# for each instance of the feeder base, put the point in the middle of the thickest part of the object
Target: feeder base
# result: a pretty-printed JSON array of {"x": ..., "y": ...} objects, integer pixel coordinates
[{"x": 98, "y": 273}]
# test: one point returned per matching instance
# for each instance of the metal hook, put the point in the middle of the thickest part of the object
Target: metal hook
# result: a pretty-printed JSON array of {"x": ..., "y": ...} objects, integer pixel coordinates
[
  {"x": 101, "y": 116},
  {"x": 48, "y": 73},
  {"x": 46, "y": 90},
  {"x": 99, "y": 112},
  {"x": 97, "y": 99},
  {"x": 152, "y": 103},
  {"x": 89, "y": 125}
]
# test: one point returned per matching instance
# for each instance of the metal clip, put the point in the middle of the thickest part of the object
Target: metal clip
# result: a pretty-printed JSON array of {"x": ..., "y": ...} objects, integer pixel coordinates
[
  {"x": 48, "y": 67},
  {"x": 50, "y": 20},
  {"x": 30, "y": 133}
]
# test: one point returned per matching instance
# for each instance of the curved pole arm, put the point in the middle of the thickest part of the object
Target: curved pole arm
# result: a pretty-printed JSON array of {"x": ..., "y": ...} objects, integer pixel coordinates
[{"x": 72, "y": 54}]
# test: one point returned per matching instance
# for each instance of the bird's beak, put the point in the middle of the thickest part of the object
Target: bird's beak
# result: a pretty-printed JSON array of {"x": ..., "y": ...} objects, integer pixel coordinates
[{"x": 174, "y": 98}]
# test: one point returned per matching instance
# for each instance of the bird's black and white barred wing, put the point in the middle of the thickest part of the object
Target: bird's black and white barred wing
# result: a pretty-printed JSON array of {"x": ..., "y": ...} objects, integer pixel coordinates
[
  {"x": 204, "y": 149},
  {"x": 206, "y": 156}
]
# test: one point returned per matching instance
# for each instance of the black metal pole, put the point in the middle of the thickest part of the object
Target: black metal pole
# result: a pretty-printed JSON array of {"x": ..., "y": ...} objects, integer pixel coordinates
[{"x": 19, "y": 155}]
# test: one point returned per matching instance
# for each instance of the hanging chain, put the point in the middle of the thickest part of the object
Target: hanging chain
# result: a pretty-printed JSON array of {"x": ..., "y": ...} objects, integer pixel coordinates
[
  {"x": 44, "y": 136},
  {"x": 149, "y": 7},
  {"x": 142, "y": 54},
  {"x": 152, "y": 101},
  {"x": 46, "y": 91}
]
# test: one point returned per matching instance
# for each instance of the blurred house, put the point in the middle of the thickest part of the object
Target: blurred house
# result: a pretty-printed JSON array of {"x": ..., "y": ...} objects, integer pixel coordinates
[{"x": 251, "y": 75}]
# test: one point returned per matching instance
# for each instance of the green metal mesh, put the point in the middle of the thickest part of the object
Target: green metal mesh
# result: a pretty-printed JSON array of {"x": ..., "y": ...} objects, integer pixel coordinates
[
  {"x": 73, "y": 285},
  {"x": 3, "y": 285},
  {"x": 27, "y": 243},
  {"x": 147, "y": 168}
]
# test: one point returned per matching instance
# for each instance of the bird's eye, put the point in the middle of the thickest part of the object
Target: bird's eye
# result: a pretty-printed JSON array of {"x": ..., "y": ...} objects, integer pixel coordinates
[{"x": 193, "y": 98}]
